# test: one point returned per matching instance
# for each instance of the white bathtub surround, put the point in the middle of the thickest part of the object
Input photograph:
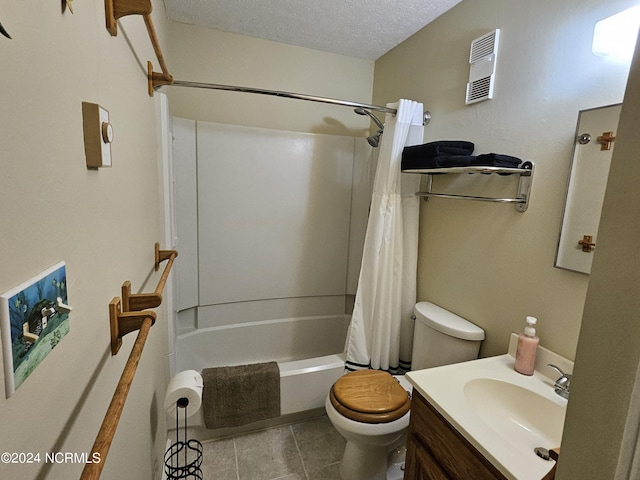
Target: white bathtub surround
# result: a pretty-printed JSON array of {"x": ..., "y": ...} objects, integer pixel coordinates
[
  {"x": 268, "y": 218},
  {"x": 270, "y": 231},
  {"x": 273, "y": 213},
  {"x": 380, "y": 335}
]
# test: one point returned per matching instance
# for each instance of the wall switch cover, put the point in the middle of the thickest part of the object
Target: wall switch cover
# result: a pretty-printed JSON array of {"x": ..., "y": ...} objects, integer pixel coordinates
[{"x": 98, "y": 135}]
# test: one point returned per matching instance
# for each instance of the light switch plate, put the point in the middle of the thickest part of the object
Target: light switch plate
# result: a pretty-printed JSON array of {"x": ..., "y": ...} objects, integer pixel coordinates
[{"x": 98, "y": 134}]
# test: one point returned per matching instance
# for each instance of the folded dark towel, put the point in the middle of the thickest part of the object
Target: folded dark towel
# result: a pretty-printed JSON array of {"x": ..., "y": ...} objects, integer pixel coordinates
[
  {"x": 234, "y": 396},
  {"x": 496, "y": 160},
  {"x": 436, "y": 155},
  {"x": 440, "y": 148},
  {"x": 445, "y": 161}
]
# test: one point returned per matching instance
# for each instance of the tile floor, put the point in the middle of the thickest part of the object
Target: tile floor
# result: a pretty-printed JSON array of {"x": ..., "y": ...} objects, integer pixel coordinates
[{"x": 309, "y": 450}]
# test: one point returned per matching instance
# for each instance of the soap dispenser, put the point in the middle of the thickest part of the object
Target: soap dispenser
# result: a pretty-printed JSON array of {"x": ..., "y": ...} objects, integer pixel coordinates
[{"x": 527, "y": 347}]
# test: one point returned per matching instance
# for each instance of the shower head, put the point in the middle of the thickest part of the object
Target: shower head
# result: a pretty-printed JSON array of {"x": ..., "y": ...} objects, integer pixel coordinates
[
  {"x": 362, "y": 111},
  {"x": 374, "y": 140}
]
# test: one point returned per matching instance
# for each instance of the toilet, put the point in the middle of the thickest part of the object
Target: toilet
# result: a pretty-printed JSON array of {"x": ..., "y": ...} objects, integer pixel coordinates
[{"x": 370, "y": 408}]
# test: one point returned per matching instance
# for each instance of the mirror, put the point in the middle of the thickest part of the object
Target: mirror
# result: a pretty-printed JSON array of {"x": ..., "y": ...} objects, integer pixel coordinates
[{"x": 592, "y": 151}]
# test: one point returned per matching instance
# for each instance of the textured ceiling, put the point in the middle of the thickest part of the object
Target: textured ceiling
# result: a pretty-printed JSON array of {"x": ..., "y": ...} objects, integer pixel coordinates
[{"x": 358, "y": 28}]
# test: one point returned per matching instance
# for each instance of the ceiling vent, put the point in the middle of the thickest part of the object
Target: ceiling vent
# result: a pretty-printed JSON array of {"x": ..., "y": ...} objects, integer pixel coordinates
[{"x": 482, "y": 60}]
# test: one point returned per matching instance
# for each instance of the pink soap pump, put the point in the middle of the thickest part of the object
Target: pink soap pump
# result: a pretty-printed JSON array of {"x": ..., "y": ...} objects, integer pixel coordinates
[{"x": 527, "y": 347}]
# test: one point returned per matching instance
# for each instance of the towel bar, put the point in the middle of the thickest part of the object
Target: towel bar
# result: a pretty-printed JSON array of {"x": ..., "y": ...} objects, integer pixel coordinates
[
  {"x": 122, "y": 323},
  {"x": 126, "y": 316},
  {"x": 107, "y": 431},
  {"x": 472, "y": 197},
  {"x": 115, "y": 9},
  {"x": 521, "y": 201},
  {"x": 141, "y": 301}
]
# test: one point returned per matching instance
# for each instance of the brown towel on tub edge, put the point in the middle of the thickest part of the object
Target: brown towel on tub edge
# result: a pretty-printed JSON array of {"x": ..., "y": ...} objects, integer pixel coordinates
[{"x": 234, "y": 396}]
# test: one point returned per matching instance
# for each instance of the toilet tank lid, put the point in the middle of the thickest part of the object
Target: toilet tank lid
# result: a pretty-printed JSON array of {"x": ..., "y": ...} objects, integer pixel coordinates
[{"x": 447, "y": 322}]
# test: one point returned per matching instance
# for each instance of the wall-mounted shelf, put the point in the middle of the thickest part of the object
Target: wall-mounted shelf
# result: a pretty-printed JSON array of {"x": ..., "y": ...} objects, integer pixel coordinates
[{"x": 521, "y": 201}]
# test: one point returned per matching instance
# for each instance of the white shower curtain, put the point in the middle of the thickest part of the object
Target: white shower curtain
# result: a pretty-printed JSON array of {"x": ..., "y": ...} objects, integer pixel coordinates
[{"x": 381, "y": 331}]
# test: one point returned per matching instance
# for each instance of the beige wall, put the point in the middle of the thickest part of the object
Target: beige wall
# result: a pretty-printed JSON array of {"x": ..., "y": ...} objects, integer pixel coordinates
[
  {"x": 102, "y": 223},
  {"x": 609, "y": 349},
  {"x": 202, "y": 55},
  {"x": 484, "y": 261}
]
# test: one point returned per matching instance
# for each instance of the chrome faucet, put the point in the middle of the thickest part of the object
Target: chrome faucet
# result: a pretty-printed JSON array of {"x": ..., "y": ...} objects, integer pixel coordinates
[{"x": 563, "y": 384}]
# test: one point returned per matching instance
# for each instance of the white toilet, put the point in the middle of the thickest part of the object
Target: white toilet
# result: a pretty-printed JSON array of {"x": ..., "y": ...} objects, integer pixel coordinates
[{"x": 370, "y": 409}]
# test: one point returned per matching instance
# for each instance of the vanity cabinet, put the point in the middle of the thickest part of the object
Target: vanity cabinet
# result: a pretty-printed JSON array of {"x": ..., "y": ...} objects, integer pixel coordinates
[{"x": 437, "y": 451}]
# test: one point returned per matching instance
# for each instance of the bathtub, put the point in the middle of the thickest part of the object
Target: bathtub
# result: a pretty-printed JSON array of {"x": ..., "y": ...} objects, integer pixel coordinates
[{"x": 309, "y": 352}]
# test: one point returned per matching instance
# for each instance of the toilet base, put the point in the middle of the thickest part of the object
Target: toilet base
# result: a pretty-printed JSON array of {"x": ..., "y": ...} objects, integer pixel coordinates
[
  {"x": 357, "y": 466},
  {"x": 365, "y": 454},
  {"x": 396, "y": 463},
  {"x": 395, "y": 471},
  {"x": 363, "y": 462}
]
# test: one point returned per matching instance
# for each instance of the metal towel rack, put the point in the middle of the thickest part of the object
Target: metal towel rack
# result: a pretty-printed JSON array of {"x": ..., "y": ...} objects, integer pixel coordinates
[
  {"x": 521, "y": 201},
  {"x": 126, "y": 316}
]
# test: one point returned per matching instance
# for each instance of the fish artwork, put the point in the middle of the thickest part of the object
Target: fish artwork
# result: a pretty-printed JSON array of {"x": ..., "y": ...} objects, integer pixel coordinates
[{"x": 4, "y": 32}]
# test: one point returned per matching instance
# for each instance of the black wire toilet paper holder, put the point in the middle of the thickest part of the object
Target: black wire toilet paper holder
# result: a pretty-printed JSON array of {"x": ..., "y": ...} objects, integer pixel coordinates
[{"x": 183, "y": 459}]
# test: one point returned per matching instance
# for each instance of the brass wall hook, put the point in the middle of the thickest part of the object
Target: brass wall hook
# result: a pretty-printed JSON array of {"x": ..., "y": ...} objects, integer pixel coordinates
[
  {"x": 605, "y": 140},
  {"x": 587, "y": 243}
]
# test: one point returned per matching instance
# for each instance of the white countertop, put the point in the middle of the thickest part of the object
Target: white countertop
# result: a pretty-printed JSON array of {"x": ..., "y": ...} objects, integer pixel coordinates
[{"x": 506, "y": 442}]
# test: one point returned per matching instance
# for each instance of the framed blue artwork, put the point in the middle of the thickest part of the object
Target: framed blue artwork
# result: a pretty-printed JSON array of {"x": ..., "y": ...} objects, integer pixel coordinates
[{"x": 34, "y": 317}]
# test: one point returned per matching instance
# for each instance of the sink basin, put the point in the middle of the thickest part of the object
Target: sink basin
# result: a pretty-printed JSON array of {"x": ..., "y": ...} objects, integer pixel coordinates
[
  {"x": 519, "y": 415},
  {"x": 503, "y": 415}
]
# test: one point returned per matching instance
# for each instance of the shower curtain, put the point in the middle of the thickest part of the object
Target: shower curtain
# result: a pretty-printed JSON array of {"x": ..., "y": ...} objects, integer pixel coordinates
[{"x": 381, "y": 331}]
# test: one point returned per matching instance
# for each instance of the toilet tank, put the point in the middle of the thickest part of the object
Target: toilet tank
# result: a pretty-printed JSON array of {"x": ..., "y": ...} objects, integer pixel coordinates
[{"x": 441, "y": 337}]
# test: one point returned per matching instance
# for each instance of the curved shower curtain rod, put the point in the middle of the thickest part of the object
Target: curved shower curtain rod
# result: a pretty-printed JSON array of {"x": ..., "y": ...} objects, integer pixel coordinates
[{"x": 276, "y": 93}]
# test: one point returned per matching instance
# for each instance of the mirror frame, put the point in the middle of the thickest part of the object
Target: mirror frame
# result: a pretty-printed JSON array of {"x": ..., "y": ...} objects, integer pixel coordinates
[{"x": 571, "y": 187}]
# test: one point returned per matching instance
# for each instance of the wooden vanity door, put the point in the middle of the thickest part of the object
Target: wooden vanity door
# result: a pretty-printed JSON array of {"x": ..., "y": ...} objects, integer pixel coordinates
[
  {"x": 422, "y": 465},
  {"x": 436, "y": 451}
]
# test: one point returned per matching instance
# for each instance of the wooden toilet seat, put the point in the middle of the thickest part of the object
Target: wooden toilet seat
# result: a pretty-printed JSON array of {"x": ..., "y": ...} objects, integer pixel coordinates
[{"x": 369, "y": 396}]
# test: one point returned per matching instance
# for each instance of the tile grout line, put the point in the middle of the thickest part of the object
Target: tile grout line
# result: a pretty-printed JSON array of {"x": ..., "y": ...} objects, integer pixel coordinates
[
  {"x": 235, "y": 454},
  {"x": 295, "y": 440}
]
